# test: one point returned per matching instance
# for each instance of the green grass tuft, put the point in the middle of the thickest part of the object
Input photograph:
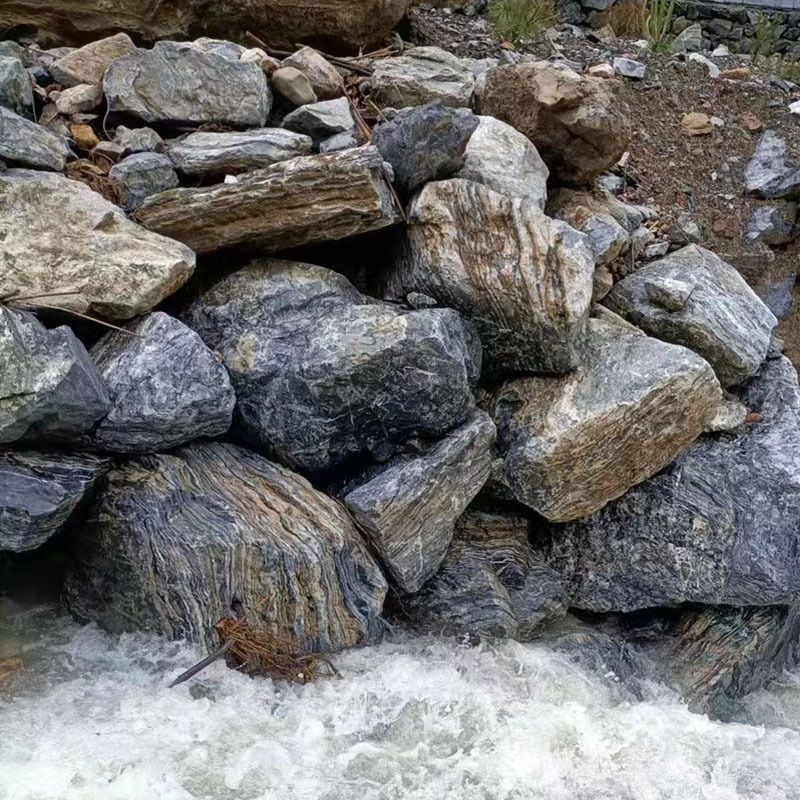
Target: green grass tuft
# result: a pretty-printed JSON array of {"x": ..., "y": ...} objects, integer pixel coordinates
[{"x": 521, "y": 19}]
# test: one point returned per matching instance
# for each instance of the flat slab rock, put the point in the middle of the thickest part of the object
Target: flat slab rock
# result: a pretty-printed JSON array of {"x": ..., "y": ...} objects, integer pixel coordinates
[
  {"x": 115, "y": 268},
  {"x": 408, "y": 509},
  {"x": 325, "y": 375},
  {"x": 294, "y": 203},
  {"x": 166, "y": 387},
  {"x": 176, "y": 542},
  {"x": 693, "y": 298},
  {"x": 26, "y": 144},
  {"x": 718, "y": 526},
  {"x": 490, "y": 257},
  {"x": 571, "y": 444},
  {"x": 39, "y": 493}
]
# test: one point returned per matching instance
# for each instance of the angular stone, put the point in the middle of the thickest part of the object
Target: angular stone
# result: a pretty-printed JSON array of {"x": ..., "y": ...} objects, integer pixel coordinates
[
  {"x": 293, "y": 203},
  {"x": 408, "y": 509},
  {"x": 321, "y": 120},
  {"x": 629, "y": 68},
  {"x": 221, "y": 47},
  {"x": 489, "y": 256},
  {"x": 16, "y": 91},
  {"x": 166, "y": 387},
  {"x": 324, "y": 375},
  {"x": 112, "y": 267},
  {"x": 689, "y": 40},
  {"x": 774, "y": 224},
  {"x": 500, "y": 157},
  {"x": 177, "y": 83},
  {"x": 341, "y": 141},
  {"x": 79, "y": 99},
  {"x": 574, "y": 443},
  {"x": 722, "y": 319},
  {"x": 425, "y": 143},
  {"x": 769, "y": 174},
  {"x": 179, "y": 542},
  {"x": 39, "y": 492},
  {"x": 49, "y": 388},
  {"x": 27, "y": 144},
  {"x": 88, "y": 64},
  {"x": 143, "y": 174},
  {"x": 139, "y": 140},
  {"x": 325, "y": 80},
  {"x": 422, "y": 75},
  {"x": 84, "y": 137},
  {"x": 576, "y": 122},
  {"x": 293, "y": 85}
]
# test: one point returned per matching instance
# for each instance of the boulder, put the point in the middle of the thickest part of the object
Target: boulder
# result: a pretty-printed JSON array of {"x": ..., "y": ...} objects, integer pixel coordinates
[
  {"x": 293, "y": 203},
  {"x": 177, "y": 83},
  {"x": 572, "y": 444},
  {"x": 88, "y": 64},
  {"x": 718, "y": 526},
  {"x": 424, "y": 143},
  {"x": 321, "y": 120},
  {"x": 27, "y": 144},
  {"x": 239, "y": 151},
  {"x": 16, "y": 91},
  {"x": 292, "y": 84},
  {"x": 689, "y": 40},
  {"x": 111, "y": 267},
  {"x": 489, "y": 585},
  {"x": 774, "y": 225},
  {"x": 490, "y": 256},
  {"x": 769, "y": 174},
  {"x": 324, "y": 78},
  {"x": 576, "y": 122},
  {"x": 324, "y": 375},
  {"x": 500, "y": 157},
  {"x": 693, "y": 298},
  {"x": 166, "y": 387},
  {"x": 39, "y": 493},
  {"x": 139, "y": 140},
  {"x": 179, "y": 542},
  {"x": 79, "y": 99},
  {"x": 408, "y": 509},
  {"x": 422, "y": 75},
  {"x": 143, "y": 174}
]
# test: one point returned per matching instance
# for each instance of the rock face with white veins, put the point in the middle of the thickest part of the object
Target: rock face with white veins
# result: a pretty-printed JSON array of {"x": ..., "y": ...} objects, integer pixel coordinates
[
  {"x": 27, "y": 144},
  {"x": 15, "y": 85}
]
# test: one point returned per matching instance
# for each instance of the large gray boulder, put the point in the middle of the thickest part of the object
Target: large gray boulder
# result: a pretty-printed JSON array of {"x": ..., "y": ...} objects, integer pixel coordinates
[
  {"x": 323, "y": 374},
  {"x": 408, "y": 509},
  {"x": 204, "y": 153},
  {"x": 523, "y": 279},
  {"x": 719, "y": 526},
  {"x": 694, "y": 298},
  {"x": 769, "y": 174},
  {"x": 179, "y": 83},
  {"x": 83, "y": 245},
  {"x": 179, "y": 542},
  {"x": 24, "y": 143},
  {"x": 572, "y": 444},
  {"x": 16, "y": 91},
  {"x": 143, "y": 174},
  {"x": 294, "y": 203},
  {"x": 49, "y": 388},
  {"x": 166, "y": 387},
  {"x": 39, "y": 493},
  {"x": 88, "y": 64}
]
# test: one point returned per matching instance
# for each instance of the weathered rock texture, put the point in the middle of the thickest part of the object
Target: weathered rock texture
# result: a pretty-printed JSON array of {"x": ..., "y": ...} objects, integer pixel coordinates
[
  {"x": 774, "y": 224},
  {"x": 83, "y": 244},
  {"x": 408, "y": 509},
  {"x": 718, "y": 526},
  {"x": 177, "y": 542},
  {"x": 39, "y": 493},
  {"x": 769, "y": 173},
  {"x": 324, "y": 78},
  {"x": 323, "y": 374},
  {"x": 166, "y": 387},
  {"x": 27, "y": 144},
  {"x": 573, "y": 443},
  {"x": 87, "y": 64},
  {"x": 297, "y": 202},
  {"x": 523, "y": 279},
  {"x": 15, "y": 86},
  {"x": 693, "y": 298},
  {"x": 576, "y": 122},
  {"x": 322, "y": 120},
  {"x": 143, "y": 174}
]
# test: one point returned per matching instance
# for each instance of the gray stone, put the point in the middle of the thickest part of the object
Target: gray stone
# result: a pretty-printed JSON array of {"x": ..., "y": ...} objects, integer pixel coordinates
[
  {"x": 689, "y": 40},
  {"x": 49, "y": 388},
  {"x": 39, "y": 493},
  {"x": 688, "y": 230},
  {"x": 773, "y": 224},
  {"x": 325, "y": 80},
  {"x": 176, "y": 82},
  {"x": 323, "y": 374},
  {"x": 769, "y": 174},
  {"x": 166, "y": 387},
  {"x": 669, "y": 293},
  {"x": 138, "y": 140},
  {"x": 295, "y": 86},
  {"x": 179, "y": 542},
  {"x": 239, "y": 151},
  {"x": 110, "y": 266},
  {"x": 613, "y": 184},
  {"x": 408, "y": 509},
  {"x": 629, "y": 68},
  {"x": 729, "y": 416},
  {"x": 27, "y": 144},
  {"x": 88, "y": 64},
  {"x": 341, "y": 141},
  {"x": 143, "y": 174},
  {"x": 293, "y": 203},
  {"x": 718, "y": 526},
  {"x": 425, "y": 143},
  {"x": 722, "y": 319},
  {"x": 572, "y": 444},
  {"x": 79, "y": 99},
  {"x": 16, "y": 91},
  {"x": 221, "y": 47},
  {"x": 780, "y": 294},
  {"x": 488, "y": 256},
  {"x": 321, "y": 120}
]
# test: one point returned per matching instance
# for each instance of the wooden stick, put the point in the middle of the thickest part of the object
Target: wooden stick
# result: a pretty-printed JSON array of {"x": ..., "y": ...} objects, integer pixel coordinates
[{"x": 201, "y": 665}]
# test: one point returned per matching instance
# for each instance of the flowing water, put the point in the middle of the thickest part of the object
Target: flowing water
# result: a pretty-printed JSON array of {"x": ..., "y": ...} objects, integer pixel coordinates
[{"x": 90, "y": 717}]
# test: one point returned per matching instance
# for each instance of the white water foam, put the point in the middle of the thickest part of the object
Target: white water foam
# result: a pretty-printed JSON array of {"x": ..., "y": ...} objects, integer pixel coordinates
[{"x": 91, "y": 718}]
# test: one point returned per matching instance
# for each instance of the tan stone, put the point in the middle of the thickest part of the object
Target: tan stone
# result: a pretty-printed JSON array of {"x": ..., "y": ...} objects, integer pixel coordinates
[
  {"x": 736, "y": 74},
  {"x": 84, "y": 137},
  {"x": 87, "y": 64},
  {"x": 696, "y": 123}
]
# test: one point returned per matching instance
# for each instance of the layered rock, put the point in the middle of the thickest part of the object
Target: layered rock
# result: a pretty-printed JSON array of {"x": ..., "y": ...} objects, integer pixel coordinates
[
  {"x": 322, "y": 120},
  {"x": 769, "y": 174},
  {"x": 110, "y": 266},
  {"x": 24, "y": 143},
  {"x": 179, "y": 542},
  {"x": 143, "y": 174},
  {"x": 88, "y": 64},
  {"x": 408, "y": 509},
  {"x": 166, "y": 387},
  {"x": 523, "y": 279},
  {"x": 572, "y": 444},
  {"x": 323, "y": 374},
  {"x": 297, "y": 202}
]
